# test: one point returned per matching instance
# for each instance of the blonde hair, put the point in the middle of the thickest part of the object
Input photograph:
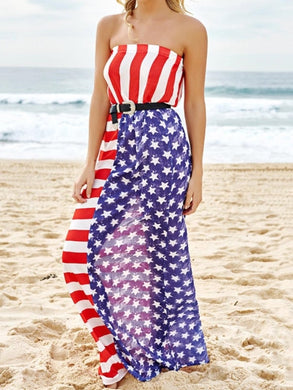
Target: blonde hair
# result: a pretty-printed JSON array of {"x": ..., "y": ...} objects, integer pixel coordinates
[{"x": 129, "y": 6}]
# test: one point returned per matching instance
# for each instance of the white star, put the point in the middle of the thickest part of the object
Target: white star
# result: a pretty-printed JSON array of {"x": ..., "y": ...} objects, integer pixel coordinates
[
  {"x": 120, "y": 207},
  {"x": 154, "y": 176},
  {"x": 135, "y": 290},
  {"x": 167, "y": 154},
  {"x": 144, "y": 138},
  {"x": 175, "y": 145},
  {"x": 145, "y": 154},
  {"x": 106, "y": 214},
  {"x": 132, "y": 202},
  {"x": 114, "y": 222},
  {"x": 122, "y": 228},
  {"x": 108, "y": 251},
  {"x": 165, "y": 116},
  {"x": 110, "y": 200},
  {"x": 101, "y": 228},
  {"x": 136, "y": 303},
  {"x": 180, "y": 190},
  {"x": 126, "y": 286},
  {"x": 150, "y": 114},
  {"x": 137, "y": 253},
  {"x": 122, "y": 163},
  {"x": 155, "y": 145},
  {"x": 164, "y": 185},
  {"x": 167, "y": 170},
  {"x": 126, "y": 260},
  {"x": 157, "y": 225},
  {"x": 129, "y": 248},
  {"x": 131, "y": 141},
  {"x": 155, "y": 160},
  {"x": 102, "y": 298},
  {"x": 132, "y": 235},
  {"x": 172, "y": 229},
  {"x": 118, "y": 243},
  {"x": 183, "y": 245},
  {"x": 138, "y": 331},
  {"x": 115, "y": 268},
  {"x": 171, "y": 130},
  {"x": 152, "y": 129},
  {"x": 147, "y": 284},
  {"x": 161, "y": 199},
  {"x": 125, "y": 180},
  {"x": 196, "y": 337},
  {"x": 113, "y": 186}
]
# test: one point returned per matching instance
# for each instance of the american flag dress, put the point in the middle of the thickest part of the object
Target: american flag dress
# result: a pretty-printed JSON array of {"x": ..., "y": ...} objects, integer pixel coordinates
[{"x": 126, "y": 258}]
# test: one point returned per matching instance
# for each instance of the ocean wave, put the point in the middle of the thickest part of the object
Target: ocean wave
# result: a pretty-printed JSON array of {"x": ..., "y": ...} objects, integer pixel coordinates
[
  {"x": 44, "y": 99},
  {"x": 231, "y": 91}
]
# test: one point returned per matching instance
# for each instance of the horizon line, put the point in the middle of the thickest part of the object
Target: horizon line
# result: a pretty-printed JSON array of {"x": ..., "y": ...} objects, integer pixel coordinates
[{"x": 92, "y": 68}]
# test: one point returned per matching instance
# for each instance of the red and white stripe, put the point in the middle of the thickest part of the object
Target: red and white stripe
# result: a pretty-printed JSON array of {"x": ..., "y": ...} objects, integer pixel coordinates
[
  {"x": 144, "y": 73},
  {"x": 74, "y": 259},
  {"x": 141, "y": 73}
]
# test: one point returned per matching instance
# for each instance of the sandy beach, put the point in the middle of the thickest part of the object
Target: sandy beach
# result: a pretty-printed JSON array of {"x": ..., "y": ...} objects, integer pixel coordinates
[{"x": 241, "y": 247}]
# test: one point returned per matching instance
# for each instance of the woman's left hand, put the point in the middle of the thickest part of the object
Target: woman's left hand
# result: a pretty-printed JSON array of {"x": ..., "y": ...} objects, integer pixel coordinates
[{"x": 193, "y": 195}]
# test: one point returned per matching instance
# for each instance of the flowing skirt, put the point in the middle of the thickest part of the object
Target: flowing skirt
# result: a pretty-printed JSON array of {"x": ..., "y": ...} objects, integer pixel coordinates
[{"x": 138, "y": 259}]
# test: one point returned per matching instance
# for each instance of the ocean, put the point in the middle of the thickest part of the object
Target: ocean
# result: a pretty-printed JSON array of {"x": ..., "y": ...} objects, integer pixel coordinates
[{"x": 44, "y": 115}]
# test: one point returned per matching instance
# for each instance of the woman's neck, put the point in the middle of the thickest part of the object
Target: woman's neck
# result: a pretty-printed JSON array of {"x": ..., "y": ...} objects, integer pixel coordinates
[{"x": 150, "y": 8}]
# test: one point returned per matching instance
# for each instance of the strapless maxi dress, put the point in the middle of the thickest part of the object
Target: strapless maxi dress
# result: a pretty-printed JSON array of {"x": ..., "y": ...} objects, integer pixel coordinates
[{"x": 126, "y": 258}]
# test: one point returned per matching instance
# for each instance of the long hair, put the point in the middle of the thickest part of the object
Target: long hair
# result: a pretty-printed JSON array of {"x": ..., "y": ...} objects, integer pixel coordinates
[{"x": 129, "y": 6}]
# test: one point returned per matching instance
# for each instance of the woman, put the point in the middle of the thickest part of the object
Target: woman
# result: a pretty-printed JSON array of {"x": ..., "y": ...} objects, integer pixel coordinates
[{"x": 126, "y": 258}]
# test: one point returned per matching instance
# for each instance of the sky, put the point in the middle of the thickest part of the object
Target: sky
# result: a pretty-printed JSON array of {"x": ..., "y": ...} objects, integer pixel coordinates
[{"x": 247, "y": 35}]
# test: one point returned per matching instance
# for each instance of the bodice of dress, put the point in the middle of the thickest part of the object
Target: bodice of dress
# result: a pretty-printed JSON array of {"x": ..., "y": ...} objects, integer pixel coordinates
[{"x": 144, "y": 73}]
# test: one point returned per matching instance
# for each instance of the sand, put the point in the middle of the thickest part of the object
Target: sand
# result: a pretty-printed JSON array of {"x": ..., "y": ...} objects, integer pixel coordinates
[{"x": 241, "y": 248}]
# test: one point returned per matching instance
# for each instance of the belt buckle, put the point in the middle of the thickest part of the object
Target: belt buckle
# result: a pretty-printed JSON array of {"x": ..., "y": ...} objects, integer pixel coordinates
[{"x": 132, "y": 107}]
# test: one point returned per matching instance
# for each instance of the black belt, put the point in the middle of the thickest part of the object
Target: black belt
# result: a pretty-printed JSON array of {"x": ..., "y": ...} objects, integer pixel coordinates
[{"x": 130, "y": 107}]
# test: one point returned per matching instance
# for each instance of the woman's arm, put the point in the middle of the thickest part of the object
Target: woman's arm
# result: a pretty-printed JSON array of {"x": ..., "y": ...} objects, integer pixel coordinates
[
  {"x": 99, "y": 109},
  {"x": 195, "y": 58}
]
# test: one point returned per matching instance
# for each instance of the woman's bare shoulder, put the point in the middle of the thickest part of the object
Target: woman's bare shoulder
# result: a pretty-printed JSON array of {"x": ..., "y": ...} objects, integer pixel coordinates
[
  {"x": 191, "y": 25},
  {"x": 111, "y": 20},
  {"x": 191, "y": 31}
]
